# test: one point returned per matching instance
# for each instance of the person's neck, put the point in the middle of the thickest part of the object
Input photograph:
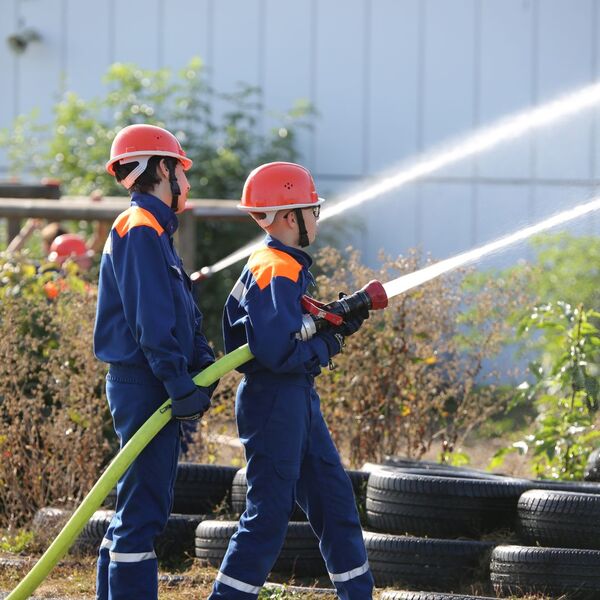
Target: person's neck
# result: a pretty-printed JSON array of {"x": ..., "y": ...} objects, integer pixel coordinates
[
  {"x": 163, "y": 193},
  {"x": 285, "y": 238}
]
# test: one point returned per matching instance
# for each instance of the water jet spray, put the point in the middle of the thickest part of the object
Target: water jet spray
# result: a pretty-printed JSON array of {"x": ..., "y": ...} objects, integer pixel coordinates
[{"x": 483, "y": 139}]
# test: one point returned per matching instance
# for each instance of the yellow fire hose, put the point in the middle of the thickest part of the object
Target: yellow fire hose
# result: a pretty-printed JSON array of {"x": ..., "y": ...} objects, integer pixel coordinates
[{"x": 112, "y": 474}]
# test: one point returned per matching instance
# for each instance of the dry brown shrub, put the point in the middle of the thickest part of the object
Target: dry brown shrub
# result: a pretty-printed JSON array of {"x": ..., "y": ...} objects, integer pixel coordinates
[
  {"x": 414, "y": 375},
  {"x": 56, "y": 432}
]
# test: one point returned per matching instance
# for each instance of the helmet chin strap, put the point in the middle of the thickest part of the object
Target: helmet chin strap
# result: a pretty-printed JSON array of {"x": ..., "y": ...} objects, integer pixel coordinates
[
  {"x": 304, "y": 241},
  {"x": 175, "y": 189}
]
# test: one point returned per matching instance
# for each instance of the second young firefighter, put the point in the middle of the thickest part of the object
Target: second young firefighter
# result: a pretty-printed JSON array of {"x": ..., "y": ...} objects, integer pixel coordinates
[
  {"x": 289, "y": 451},
  {"x": 149, "y": 330}
]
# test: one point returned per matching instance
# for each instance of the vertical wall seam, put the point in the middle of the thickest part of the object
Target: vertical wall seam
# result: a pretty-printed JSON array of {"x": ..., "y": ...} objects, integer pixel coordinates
[
  {"x": 421, "y": 72},
  {"x": 262, "y": 59},
  {"x": 594, "y": 117},
  {"x": 313, "y": 79},
  {"x": 16, "y": 64},
  {"x": 366, "y": 125},
  {"x": 594, "y": 77},
  {"x": 421, "y": 58},
  {"x": 535, "y": 26},
  {"x": 210, "y": 43},
  {"x": 477, "y": 25},
  {"x": 64, "y": 49},
  {"x": 112, "y": 25},
  {"x": 160, "y": 34}
]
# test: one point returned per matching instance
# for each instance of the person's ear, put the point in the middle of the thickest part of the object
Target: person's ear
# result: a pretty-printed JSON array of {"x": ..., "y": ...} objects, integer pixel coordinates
[
  {"x": 291, "y": 219},
  {"x": 162, "y": 169}
]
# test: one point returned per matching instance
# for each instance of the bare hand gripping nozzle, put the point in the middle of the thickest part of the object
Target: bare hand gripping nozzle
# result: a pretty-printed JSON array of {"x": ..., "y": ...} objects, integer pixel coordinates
[{"x": 324, "y": 316}]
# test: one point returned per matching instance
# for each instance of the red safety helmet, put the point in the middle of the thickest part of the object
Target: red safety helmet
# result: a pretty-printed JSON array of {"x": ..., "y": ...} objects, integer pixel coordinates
[
  {"x": 277, "y": 186},
  {"x": 137, "y": 143},
  {"x": 66, "y": 246}
]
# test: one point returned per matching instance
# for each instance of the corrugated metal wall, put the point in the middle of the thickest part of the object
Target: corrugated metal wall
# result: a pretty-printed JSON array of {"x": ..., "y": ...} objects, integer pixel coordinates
[{"x": 390, "y": 79}]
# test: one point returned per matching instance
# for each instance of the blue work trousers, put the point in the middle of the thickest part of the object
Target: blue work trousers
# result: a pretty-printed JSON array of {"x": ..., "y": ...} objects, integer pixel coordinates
[
  {"x": 127, "y": 565},
  {"x": 291, "y": 457}
]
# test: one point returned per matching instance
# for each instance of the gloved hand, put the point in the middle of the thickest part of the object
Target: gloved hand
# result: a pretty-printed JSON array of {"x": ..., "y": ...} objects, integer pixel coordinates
[
  {"x": 192, "y": 406},
  {"x": 210, "y": 390},
  {"x": 334, "y": 341},
  {"x": 362, "y": 311},
  {"x": 351, "y": 324}
]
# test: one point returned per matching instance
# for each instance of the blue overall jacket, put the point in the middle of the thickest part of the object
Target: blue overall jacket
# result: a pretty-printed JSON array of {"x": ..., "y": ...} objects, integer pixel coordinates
[
  {"x": 146, "y": 316},
  {"x": 264, "y": 310}
]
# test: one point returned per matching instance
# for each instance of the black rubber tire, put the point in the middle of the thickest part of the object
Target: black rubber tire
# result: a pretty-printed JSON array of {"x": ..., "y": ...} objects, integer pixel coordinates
[
  {"x": 446, "y": 507},
  {"x": 585, "y": 487},
  {"x": 592, "y": 467},
  {"x": 49, "y": 519},
  {"x": 240, "y": 486},
  {"x": 430, "y": 564},
  {"x": 199, "y": 488},
  {"x": 299, "y": 557},
  {"x": 433, "y": 468},
  {"x": 559, "y": 519},
  {"x": 176, "y": 540},
  {"x": 524, "y": 570},
  {"x": 359, "y": 480},
  {"x": 393, "y": 595}
]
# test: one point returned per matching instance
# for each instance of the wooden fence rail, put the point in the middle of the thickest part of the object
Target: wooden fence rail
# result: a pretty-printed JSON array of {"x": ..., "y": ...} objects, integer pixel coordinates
[{"x": 83, "y": 208}]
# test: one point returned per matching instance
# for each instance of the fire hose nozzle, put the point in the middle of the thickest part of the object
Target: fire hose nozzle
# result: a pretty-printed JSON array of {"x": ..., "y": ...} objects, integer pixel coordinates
[
  {"x": 376, "y": 294},
  {"x": 370, "y": 297}
]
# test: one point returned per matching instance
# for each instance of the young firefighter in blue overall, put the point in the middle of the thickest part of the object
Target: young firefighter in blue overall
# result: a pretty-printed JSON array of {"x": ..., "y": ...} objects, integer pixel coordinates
[
  {"x": 149, "y": 330},
  {"x": 289, "y": 451}
]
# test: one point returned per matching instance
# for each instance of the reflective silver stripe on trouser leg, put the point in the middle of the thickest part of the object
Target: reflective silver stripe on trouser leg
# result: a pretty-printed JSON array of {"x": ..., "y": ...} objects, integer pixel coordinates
[
  {"x": 236, "y": 584},
  {"x": 106, "y": 543},
  {"x": 348, "y": 575},
  {"x": 131, "y": 557}
]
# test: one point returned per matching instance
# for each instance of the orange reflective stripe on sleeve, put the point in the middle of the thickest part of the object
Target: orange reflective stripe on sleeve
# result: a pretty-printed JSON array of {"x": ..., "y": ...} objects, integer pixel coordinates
[
  {"x": 136, "y": 217},
  {"x": 267, "y": 263}
]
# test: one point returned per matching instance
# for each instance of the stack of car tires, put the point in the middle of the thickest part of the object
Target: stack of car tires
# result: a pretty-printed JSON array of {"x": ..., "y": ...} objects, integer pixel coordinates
[
  {"x": 560, "y": 555},
  {"x": 430, "y": 525},
  {"x": 300, "y": 555},
  {"x": 200, "y": 491},
  {"x": 462, "y": 513}
]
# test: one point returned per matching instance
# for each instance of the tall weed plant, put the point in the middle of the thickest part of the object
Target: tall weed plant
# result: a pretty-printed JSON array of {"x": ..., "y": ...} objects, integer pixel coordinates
[{"x": 564, "y": 388}]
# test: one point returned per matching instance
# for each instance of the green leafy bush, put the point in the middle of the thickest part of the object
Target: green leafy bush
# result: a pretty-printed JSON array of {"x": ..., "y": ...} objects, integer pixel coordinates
[
  {"x": 567, "y": 269},
  {"x": 565, "y": 391}
]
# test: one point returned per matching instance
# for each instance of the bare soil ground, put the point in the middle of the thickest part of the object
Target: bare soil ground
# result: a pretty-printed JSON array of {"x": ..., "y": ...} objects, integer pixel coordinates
[{"x": 75, "y": 579}]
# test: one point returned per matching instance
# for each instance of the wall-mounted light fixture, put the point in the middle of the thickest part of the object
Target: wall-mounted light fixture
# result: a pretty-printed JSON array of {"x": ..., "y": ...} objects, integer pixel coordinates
[{"x": 19, "y": 41}]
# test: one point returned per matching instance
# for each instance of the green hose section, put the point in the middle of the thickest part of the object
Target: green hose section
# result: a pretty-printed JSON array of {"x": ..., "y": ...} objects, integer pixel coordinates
[{"x": 112, "y": 474}]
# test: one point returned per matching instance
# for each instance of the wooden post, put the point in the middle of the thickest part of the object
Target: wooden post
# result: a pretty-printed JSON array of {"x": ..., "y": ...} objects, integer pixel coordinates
[
  {"x": 13, "y": 226},
  {"x": 186, "y": 240}
]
